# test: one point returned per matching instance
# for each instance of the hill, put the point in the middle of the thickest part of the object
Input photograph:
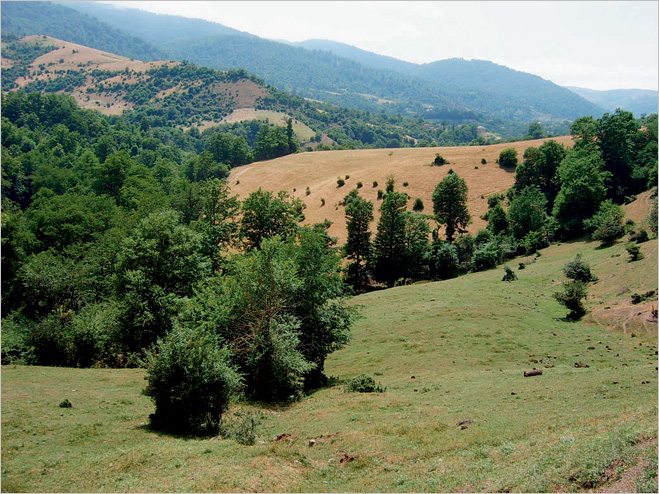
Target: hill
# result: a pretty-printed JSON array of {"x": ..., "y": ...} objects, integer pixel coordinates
[
  {"x": 637, "y": 101},
  {"x": 319, "y": 172},
  {"x": 57, "y": 21},
  {"x": 457, "y": 414},
  {"x": 325, "y": 76},
  {"x": 167, "y": 93}
]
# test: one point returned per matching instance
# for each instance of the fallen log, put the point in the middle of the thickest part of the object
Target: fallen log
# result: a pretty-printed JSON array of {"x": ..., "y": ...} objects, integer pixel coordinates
[{"x": 534, "y": 372}]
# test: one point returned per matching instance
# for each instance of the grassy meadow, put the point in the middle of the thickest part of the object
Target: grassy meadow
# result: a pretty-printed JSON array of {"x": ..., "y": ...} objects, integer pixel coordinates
[{"x": 447, "y": 352}]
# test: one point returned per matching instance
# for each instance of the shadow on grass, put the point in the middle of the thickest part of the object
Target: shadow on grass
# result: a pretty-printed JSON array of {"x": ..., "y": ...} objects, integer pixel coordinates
[{"x": 165, "y": 433}]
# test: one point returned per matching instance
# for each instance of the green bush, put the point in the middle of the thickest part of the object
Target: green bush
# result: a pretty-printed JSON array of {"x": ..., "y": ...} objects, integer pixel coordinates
[
  {"x": 443, "y": 261},
  {"x": 579, "y": 270},
  {"x": 508, "y": 158},
  {"x": 340, "y": 182},
  {"x": 486, "y": 256},
  {"x": 439, "y": 160},
  {"x": 359, "y": 185},
  {"x": 418, "y": 205},
  {"x": 241, "y": 428},
  {"x": 191, "y": 381},
  {"x": 607, "y": 224},
  {"x": 375, "y": 183},
  {"x": 639, "y": 236},
  {"x": 634, "y": 251},
  {"x": 510, "y": 274},
  {"x": 380, "y": 194},
  {"x": 571, "y": 297},
  {"x": 364, "y": 384}
]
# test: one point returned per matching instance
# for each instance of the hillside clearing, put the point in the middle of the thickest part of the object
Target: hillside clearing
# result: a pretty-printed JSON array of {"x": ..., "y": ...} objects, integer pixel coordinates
[{"x": 319, "y": 171}]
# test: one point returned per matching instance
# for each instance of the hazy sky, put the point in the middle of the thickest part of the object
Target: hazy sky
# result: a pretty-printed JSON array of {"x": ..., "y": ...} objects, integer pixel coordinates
[{"x": 597, "y": 45}]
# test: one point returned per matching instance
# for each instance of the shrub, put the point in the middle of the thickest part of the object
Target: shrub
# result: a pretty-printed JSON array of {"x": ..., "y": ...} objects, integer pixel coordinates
[
  {"x": 443, "y": 261},
  {"x": 359, "y": 185},
  {"x": 405, "y": 184},
  {"x": 534, "y": 241},
  {"x": 340, "y": 182},
  {"x": 375, "y": 183},
  {"x": 322, "y": 202},
  {"x": 486, "y": 256},
  {"x": 380, "y": 194},
  {"x": 634, "y": 251},
  {"x": 639, "y": 236},
  {"x": 191, "y": 382},
  {"x": 494, "y": 199},
  {"x": 364, "y": 384},
  {"x": 347, "y": 177},
  {"x": 418, "y": 205},
  {"x": 483, "y": 161},
  {"x": 579, "y": 270},
  {"x": 439, "y": 160},
  {"x": 510, "y": 274},
  {"x": 508, "y": 158},
  {"x": 637, "y": 298},
  {"x": 571, "y": 297},
  {"x": 607, "y": 224},
  {"x": 241, "y": 428},
  {"x": 308, "y": 191}
]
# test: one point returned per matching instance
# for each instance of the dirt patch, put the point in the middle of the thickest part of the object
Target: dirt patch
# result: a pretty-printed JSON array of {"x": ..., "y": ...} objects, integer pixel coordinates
[{"x": 629, "y": 477}]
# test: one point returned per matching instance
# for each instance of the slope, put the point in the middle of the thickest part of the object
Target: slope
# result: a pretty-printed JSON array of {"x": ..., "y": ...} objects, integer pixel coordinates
[
  {"x": 319, "y": 172},
  {"x": 457, "y": 414}
]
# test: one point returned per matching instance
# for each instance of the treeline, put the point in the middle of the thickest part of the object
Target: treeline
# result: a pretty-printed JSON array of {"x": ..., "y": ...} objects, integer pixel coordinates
[{"x": 559, "y": 193}]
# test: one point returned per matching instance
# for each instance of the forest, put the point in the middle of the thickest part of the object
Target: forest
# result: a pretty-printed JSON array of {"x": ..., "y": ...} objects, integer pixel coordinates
[{"x": 123, "y": 246}]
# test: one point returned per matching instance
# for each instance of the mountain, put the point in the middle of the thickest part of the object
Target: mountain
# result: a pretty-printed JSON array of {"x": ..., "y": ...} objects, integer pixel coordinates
[
  {"x": 449, "y": 92},
  {"x": 184, "y": 95},
  {"x": 637, "y": 101},
  {"x": 26, "y": 18}
]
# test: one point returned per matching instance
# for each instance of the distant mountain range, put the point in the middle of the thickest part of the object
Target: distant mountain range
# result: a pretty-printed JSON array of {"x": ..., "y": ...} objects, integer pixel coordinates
[
  {"x": 451, "y": 91},
  {"x": 637, "y": 101}
]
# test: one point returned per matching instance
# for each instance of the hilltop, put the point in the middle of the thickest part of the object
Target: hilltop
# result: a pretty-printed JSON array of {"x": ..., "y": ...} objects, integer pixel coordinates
[{"x": 319, "y": 172}]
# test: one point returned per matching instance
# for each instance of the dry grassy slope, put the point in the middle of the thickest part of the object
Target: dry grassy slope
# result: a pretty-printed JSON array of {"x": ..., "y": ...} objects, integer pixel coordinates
[
  {"x": 78, "y": 57},
  {"x": 319, "y": 171}
]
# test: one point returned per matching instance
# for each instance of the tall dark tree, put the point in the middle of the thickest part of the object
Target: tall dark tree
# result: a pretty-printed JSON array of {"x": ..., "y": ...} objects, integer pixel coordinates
[
  {"x": 450, "y": 205},
  {"x": 358, "y": 247},
  {"x": 527, "y": 212},
  {"x": 389, "y": 248}
]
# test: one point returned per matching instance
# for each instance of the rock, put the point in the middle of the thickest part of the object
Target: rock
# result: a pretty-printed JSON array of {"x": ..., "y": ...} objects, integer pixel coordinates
[
  {"x": 312, "y": 442},
  {"x": 579, "y": 365},
  {"x": 467, "y": 421}
]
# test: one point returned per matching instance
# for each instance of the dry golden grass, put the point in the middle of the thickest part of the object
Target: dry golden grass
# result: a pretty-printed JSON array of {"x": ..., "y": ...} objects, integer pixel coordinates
[{"x": 319, "y": 171}]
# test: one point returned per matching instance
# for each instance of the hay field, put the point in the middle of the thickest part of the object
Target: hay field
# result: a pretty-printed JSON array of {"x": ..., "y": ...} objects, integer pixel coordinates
[{"x": 319, "y": 171}]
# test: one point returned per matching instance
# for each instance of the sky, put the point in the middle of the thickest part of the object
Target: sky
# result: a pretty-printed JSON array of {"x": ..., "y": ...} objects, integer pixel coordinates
[{"x": 592, "y": 44}]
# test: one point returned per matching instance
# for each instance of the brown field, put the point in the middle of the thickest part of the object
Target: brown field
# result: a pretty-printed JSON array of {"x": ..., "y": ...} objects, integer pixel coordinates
[{"x": 319, "y": 171}]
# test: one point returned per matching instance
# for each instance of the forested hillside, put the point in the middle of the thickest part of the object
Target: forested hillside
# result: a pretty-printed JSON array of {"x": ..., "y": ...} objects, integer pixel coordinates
[
  {"x": 195, "y": 98},
  {"x": 324, "y": 76},
  {"x": 25, "y": 18}
]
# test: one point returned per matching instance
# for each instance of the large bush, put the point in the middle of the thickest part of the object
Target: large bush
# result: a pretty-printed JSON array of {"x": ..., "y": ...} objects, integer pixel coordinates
[
  {"x": 191, "y": 382},
  {"x": 571, "y": 297},
  {"x": 579, "y": 270},
  {"x": 508, "y": 158}
]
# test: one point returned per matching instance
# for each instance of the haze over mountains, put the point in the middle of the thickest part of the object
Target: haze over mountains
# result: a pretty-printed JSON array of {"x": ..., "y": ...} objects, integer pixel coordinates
[{"x": 454, "y": 91}]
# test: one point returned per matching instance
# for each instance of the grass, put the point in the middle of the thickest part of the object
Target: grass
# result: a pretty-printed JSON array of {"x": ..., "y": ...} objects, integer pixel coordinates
[{"x": 446, "y": 352}]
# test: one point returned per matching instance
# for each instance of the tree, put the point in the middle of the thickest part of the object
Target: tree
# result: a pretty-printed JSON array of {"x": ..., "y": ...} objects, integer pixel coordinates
[
  {"x": 265, "y": 215},
  {"x": 582, "y": 190},
  {"x": 615, "y": 138},
  {"x": 389, "y": 246},
  {"x": 416, "y": 243},
  {"x": 229, "y": 149},
  {"x": 159, "y": 264},
  {"x": 535, "y": 131},
  {"x": 359, "y": 214},
  {"x": 508, "y": 158},
  {"x": 450, "y": 205},
  {"x": 272, "y": 142},
  {"x": 607, "y": 224},
  {"x": 497, "y": 219},
  {"x": 527, "y": 212},
  {"x": 571, "y": 297}
]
